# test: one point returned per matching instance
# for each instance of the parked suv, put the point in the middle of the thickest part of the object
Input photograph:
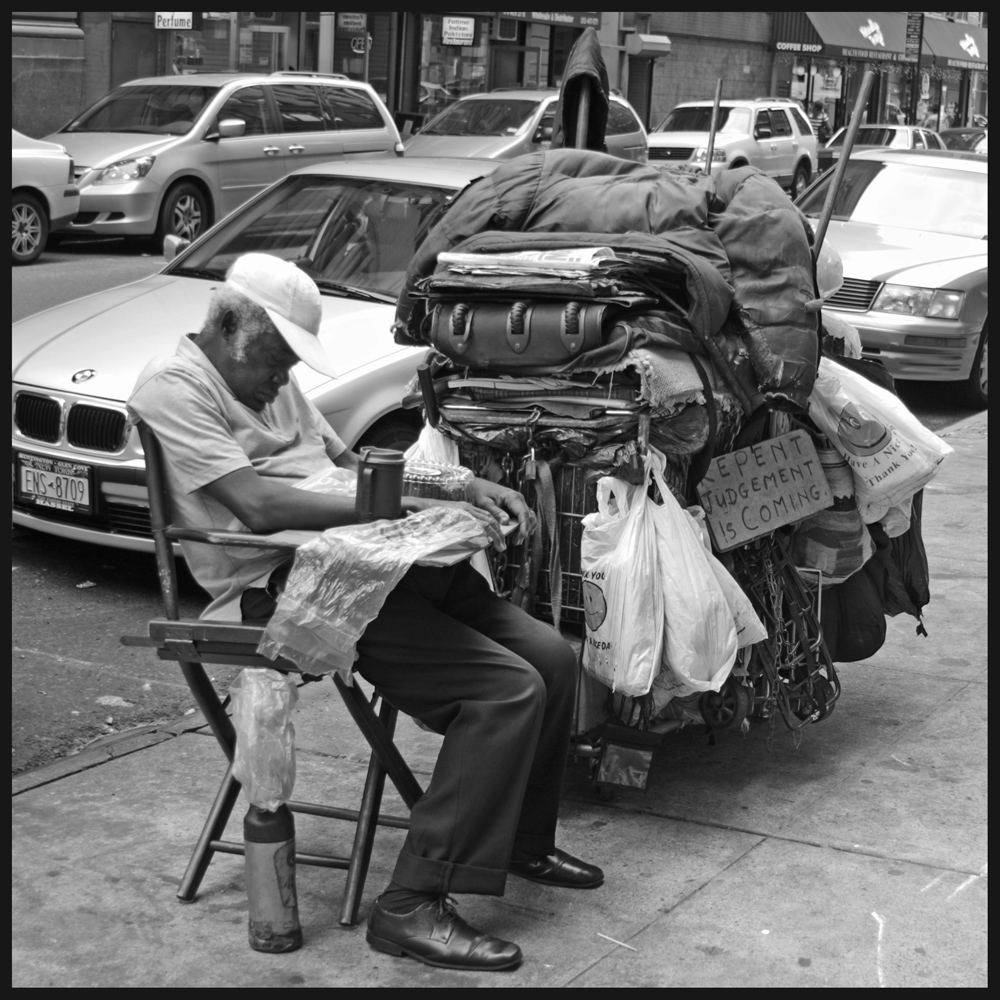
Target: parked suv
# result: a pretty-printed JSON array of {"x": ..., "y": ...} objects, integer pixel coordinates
[
  {"x": 171, "y": 155},
  {"x": 769, "y": 133},
  {"x": 506, "y": 123}
]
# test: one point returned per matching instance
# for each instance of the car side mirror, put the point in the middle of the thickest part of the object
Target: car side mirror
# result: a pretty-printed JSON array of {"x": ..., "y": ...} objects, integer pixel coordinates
[
  {"x": 542, "y": 134},
  {"x": 173, "y": 245},
  {"x": 762, "y": 132},
  {"x": 229, "y": 128}
]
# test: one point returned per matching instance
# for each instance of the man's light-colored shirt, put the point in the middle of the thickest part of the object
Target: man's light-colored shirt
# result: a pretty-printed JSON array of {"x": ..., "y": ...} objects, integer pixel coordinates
[{"x": 206, "y": 433}]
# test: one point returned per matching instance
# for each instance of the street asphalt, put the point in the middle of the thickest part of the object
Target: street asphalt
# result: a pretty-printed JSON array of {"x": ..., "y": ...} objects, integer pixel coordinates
[{"x": 854, "y": 856}]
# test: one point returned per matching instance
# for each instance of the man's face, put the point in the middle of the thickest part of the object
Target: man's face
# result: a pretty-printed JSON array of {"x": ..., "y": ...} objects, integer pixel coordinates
[{"x": 255, "y": 367}]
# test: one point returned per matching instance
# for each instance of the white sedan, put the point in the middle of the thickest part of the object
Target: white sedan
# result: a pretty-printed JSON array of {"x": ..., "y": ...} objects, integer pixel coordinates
[
  {"x": 353, "y": 227},
  {"x": 43, "y": 195}
]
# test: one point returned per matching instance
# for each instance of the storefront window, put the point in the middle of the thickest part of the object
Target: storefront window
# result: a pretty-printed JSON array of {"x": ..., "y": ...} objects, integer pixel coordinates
[
  {"x": 242, "y": 42},
  {"x": 453, "y": 60},
  {"x": 900, "y": 84}
]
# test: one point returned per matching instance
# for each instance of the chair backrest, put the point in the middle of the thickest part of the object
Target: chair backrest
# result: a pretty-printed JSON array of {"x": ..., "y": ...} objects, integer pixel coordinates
[{"x": 159, "y": 519}]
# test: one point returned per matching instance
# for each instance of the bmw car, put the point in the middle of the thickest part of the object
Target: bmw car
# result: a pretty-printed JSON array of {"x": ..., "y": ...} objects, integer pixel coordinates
[
  {"x": 912, "y": 229},
  {"x": 77, "y": 464}
]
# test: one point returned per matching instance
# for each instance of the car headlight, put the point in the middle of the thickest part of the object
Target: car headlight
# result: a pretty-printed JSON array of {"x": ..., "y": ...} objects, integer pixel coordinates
[
  {"x": 701, "y": 154},
  {"x": 936, "y": 303},
  {"x": 125, "y": 171}
]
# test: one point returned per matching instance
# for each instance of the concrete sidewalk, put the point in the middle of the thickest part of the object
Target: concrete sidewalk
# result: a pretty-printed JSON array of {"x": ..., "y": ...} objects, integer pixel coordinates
[{"x": 855, "y": 856}]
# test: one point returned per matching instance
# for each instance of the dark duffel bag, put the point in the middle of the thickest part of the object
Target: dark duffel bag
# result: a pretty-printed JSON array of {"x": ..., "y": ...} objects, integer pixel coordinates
[{"x": 529, "y": 337}]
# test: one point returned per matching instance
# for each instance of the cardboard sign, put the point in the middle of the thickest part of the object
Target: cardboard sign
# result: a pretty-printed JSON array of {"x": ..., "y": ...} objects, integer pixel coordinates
[{"x": 750, "y": 492}]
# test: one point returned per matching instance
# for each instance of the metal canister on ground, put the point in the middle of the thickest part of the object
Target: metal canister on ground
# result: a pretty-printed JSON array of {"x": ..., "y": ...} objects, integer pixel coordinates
[{"x": 269, "y": 841}]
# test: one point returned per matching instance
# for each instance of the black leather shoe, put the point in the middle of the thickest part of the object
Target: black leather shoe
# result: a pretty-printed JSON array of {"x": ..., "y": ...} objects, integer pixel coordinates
[
  {"x": 436, "y": 935},
  {"x": 559, "y": 869}
]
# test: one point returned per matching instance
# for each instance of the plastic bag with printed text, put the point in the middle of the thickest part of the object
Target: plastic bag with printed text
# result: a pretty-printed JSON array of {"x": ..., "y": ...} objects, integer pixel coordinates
[
  {"x": 890, "y": 452},
  {"x": 622, "y": 597}
]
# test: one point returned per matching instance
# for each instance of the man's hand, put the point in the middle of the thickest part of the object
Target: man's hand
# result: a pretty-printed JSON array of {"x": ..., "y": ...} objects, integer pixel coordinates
[
  {"x": 502, "y": 504},
  {"x": 492, "y": 505}
]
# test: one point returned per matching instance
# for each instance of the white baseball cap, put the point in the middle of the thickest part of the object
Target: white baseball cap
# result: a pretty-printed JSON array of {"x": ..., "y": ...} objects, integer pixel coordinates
[{"x": 291, "y": 300}]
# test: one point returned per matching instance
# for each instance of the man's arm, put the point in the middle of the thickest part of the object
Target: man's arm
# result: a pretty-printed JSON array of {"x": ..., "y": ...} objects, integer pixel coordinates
[{"x": 265, "y": 505}]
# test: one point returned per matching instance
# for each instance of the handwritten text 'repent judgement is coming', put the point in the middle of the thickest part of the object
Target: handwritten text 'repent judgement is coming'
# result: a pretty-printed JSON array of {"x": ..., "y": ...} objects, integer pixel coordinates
[{"x": 750, "y": 492}]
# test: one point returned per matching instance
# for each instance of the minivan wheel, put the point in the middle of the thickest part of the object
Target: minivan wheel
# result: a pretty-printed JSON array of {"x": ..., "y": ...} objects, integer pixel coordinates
[
  {"x": 29, "y": 228},
  {"x": 800, "y": 180},
  {"x": 184, "y": 213}
]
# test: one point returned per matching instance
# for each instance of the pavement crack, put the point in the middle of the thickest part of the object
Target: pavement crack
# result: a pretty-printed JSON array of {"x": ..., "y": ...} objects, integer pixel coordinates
[{"x": 666, "y": 911}]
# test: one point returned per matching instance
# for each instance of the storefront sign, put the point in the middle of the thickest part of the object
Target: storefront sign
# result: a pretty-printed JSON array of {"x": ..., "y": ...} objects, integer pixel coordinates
[
  {"x": 352, "y": 24},
  {"x": 750, "y": 492},
  {"x": 566, "y": 18},
  {"x": 458, "y": 30},
  {"x": 173, "y": 20}
]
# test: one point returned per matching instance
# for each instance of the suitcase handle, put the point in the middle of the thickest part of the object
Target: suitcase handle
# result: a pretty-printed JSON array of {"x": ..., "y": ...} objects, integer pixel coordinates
[{"x": 518, "y": 327}]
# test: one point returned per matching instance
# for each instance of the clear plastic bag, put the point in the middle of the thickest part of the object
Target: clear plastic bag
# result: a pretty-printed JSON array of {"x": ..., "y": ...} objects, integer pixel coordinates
[
  {"x": 264, "y": 762},
  {"x": 622, "y": 596},
  {"x": 340, "y": 581},
  {"x": 890, "y": 452},
  {"x": 335, "y": 480}
]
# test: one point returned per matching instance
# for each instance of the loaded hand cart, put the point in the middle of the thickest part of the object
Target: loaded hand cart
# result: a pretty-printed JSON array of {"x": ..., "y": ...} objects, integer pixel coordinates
[{"x": 587, "y": 319}]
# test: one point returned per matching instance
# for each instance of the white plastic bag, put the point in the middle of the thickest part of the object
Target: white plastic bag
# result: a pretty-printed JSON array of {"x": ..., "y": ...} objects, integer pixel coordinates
[
  {"x": 890, "y": 452},
  {"x": 749, "y": 628},
  {"x": 700, "y": 641},
  {"x": 622, "y": 597},
  {"x": 896, "y": 520},
  {"x": 433, "y": 446},
  {"x": 264, "y": 762}
]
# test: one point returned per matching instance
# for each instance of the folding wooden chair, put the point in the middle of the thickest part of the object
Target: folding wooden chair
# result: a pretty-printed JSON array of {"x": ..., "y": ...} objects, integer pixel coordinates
[{"x": 193, "y": 643}]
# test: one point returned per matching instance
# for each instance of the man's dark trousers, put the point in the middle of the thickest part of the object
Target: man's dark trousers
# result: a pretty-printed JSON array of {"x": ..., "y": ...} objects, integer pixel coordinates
[{"x": 499, "y": 686}]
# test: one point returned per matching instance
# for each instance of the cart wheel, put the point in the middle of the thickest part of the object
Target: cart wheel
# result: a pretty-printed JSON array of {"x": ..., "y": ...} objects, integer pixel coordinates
[
  {"x": 727, "y": 708},
  {"x": 824, "y": 698}
]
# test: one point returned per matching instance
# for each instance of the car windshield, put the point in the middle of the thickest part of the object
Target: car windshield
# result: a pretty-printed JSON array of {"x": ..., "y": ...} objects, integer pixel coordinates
[
  {"x": 159, "y": 110},
  {"x": 910, "y": 196},
  {"x": 895, "y": 138},
  {"x": 731, "y": 120},
  {"x": 352, "y": 236},
  {"x": 495, "y": 116}
]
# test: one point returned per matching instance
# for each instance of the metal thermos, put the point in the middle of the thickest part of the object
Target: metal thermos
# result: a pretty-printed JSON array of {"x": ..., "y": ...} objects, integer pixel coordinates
[
  {"x": 269, "y": 841},
  {"x": 380, "y": 484}
]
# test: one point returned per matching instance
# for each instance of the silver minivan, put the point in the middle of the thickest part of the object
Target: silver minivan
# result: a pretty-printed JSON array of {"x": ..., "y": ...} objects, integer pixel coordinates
[
  {"x": 506, "y": 123},
  {"x": 171, "y": 155}
]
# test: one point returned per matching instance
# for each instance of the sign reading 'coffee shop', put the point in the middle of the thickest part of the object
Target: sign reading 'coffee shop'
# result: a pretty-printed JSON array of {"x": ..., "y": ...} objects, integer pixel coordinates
[{"x": 750, "y": 492}]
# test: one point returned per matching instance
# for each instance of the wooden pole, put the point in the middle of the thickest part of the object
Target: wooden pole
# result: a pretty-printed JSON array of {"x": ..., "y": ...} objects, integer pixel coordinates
[{"x": 845, "y": 155}]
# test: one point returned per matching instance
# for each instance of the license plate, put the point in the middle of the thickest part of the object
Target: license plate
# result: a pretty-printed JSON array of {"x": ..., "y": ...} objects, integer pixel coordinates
[{"x": 51, "y": 482}]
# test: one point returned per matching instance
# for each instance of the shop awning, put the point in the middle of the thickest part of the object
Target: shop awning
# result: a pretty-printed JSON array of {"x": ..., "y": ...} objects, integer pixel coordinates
[
  {"x": 871, "y": 35},
  {"x": 957, "y": 46}
]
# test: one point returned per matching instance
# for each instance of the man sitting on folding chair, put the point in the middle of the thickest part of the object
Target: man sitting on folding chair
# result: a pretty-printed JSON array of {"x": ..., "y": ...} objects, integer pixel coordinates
[{"x": 236, "y": 432}]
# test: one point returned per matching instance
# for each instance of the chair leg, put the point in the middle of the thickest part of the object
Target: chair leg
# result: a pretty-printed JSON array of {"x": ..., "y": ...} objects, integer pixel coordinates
[
  {"x": 208, "y": 701},
  {"x": 215, "y": 826},
  {"x": 374, "y": 732},
  {"x": 364, "y": 833}
]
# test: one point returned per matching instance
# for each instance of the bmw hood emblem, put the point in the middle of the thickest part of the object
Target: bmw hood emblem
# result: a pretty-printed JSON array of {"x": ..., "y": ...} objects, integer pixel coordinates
[{"x": 84, "y": 375}]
